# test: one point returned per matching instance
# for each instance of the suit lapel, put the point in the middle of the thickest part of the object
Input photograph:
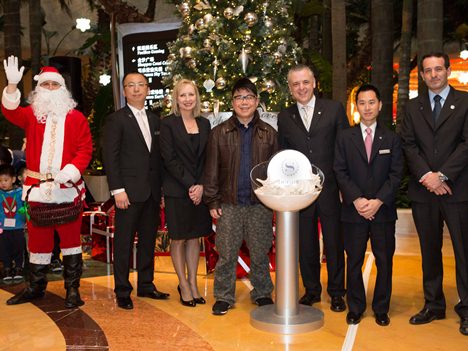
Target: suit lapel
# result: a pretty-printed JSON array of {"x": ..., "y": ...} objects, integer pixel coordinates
[
  {"x": 358, "y": 142},
  {"x": 135, "y": 125},
  {"x": 318, "y": 113},
  {"x": 448, "y": 108},
  {"x": 203, "y": 135},
  {"x": 376, "y": 142},
  {"x": 296, "y": 117},
  {"x": 184, "y": 136},
  {"x": 425, "y": 109}
]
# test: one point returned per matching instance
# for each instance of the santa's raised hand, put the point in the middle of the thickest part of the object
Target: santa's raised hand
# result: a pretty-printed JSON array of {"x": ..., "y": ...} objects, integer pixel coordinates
[{"x": 13, "y": 74}]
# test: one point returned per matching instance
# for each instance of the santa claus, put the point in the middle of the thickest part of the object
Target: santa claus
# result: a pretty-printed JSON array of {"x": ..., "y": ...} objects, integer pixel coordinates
[{"x": 59, "y": 147}]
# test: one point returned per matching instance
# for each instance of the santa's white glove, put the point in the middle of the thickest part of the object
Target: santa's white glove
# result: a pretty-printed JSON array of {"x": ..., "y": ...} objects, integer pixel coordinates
[
  {"x": 62, "y": 177},
  {"x": 12, "y": 72}
]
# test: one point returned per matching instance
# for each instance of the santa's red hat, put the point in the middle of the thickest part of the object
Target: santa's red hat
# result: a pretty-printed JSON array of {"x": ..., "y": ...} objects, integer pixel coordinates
[{"x": 49, "y": 73}]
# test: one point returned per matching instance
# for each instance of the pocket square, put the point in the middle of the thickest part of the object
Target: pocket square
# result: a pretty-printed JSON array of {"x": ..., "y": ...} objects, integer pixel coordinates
[{"x": 384, "y": 151}]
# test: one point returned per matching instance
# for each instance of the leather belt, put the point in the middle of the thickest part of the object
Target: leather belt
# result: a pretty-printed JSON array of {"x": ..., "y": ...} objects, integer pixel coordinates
[{"x": 37, "y": 175}]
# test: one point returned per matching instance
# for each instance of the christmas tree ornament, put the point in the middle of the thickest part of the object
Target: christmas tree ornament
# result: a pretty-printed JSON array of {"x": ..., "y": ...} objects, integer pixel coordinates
[
  {"x": 191, "y": 63},
  {"x": 171, "y": 58},
  {"x": 205, "y": 106},
  {"x": 244, "y": 60},
  {"x": 282, "y": 48},
  {"x": 220, "y": 83},
  {"x": 277, "y": 56},
  {"x": 184, "y": 9},
  {"x": 269, "y": 85},
  {"x": 186, "y": 52},
  {"x": 228, "y": 12},
  {"x": 268, "y": 22},
  {"x": 167, "y": 101},
  {"x": 207, "y": 44},
  {"x": 191, "y": 28},
  {"x": 238, "y": 10},
  {"x": 208, "y": 18},
  {"x": 202, "y": 5},
  {"x": 199, "y": 23},
  {"x": 209, "y": 84},
  {"x": 215, "y": 67},
  {"x": 216, "y": 105},
  {"x": 253, "y": 79},
  {"x": 247, "y": 38},
  {"x": 250, "y": 18}
]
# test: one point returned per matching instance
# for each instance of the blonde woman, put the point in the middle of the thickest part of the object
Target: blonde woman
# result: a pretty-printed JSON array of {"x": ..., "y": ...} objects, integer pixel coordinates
[{"x": 184, "y": 136}]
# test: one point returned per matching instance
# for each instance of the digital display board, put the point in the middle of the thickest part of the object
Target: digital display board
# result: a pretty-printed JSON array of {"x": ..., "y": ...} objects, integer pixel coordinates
[{"x": 142, "y": 47}]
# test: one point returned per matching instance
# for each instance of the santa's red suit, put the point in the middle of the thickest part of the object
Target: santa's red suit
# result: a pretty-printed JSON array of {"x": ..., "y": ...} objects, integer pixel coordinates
[
  {"x": 59, "y": 146},
  {"x": 65, "y": 146}
]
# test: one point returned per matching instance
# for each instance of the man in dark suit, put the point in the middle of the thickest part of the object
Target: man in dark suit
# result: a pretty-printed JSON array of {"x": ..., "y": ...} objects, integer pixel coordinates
[
  {"x": 368, "y": 167},
  {"x": 435, "y": 142},
  {"x": 132, "y": 161},
  {"x": 310, "y": 126}
]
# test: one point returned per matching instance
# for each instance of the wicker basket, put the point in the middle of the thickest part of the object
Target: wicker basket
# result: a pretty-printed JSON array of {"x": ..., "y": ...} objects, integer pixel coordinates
[{"x": 46, "y": 215}]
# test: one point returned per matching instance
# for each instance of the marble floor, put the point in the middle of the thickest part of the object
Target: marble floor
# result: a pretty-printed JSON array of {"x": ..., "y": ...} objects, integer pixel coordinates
[{"x": 167, "y": 325}]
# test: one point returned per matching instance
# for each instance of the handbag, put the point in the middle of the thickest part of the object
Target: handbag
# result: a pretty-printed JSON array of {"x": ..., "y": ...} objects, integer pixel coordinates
[{"x": 49, "y": 214}]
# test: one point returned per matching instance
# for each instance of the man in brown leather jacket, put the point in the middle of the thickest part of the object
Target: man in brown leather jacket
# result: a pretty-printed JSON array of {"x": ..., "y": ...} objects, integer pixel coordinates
[{"x": 234, "y": 148}]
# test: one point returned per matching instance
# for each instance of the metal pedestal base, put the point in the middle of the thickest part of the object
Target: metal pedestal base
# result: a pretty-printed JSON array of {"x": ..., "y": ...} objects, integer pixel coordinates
[{"x": 265, "y": 318}]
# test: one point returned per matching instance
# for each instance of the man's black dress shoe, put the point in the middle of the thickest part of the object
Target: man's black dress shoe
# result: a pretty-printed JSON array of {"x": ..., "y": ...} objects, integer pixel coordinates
[
  {"x": 382, "y": 319},
  {"x": 353, "y": 318},
  {"x": 125, "y": 302},
  {"x": 155, "y": 294},
  {"x": 464, "y": 325},
  {"x": 426, "y": 316},
  {"x": 337, "y": 304},
  {"x": 309, "y": 299}
]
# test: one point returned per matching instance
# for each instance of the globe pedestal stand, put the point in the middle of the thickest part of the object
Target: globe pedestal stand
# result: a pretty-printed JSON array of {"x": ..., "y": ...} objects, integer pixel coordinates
[{"x": 286, "y": 316}]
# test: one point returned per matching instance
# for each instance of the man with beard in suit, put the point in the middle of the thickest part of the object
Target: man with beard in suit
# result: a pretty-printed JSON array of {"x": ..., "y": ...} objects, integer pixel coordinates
[
  {"x": 435, "y": 142},
  {"x": 310, "y": 126},
  {"x": 133, "y": 165}
]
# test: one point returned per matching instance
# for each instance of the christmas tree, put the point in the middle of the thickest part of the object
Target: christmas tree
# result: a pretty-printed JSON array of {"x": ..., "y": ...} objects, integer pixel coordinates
[{"x": 221, "y": 41}]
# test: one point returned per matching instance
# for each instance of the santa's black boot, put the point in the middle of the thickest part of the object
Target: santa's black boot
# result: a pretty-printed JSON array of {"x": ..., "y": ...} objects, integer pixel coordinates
[
  {"x": 36, "y": 287},
  {"x": 72, "y": 269}
]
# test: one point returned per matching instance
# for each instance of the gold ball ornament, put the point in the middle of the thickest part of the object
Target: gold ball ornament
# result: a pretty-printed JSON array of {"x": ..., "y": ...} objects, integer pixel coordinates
[
  {"x": 191, "y": 63},
  {"x": 250, "y": 18},
  {"x": 186, "y": 52},
  {"x": 220, "y": 83},
  {"x": 228, "y": 12},
  {"x": 167, "y": 101},
  {"x": 269, "y": 85},
  {"x": 208, "y": 18},
  {"x": 184, "y": 9},
  {"x": 199, "y": 23},
  {"x": 171, "y": 58},
  {"x": 205, "y": 106},
  {"x": 277, "y": 56}
]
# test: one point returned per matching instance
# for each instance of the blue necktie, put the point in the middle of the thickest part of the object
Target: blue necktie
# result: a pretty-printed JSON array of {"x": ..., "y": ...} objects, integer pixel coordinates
[{"x": 437, "y": 108}]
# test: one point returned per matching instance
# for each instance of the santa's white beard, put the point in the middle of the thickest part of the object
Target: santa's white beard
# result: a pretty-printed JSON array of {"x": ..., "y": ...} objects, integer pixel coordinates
[{"x": 47, "y": 102}]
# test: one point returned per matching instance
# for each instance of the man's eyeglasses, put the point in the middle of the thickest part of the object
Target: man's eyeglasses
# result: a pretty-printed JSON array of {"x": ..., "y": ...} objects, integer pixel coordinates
[
  {"x": 133, "y": 85},
  {"x": 239, "y": 98}
]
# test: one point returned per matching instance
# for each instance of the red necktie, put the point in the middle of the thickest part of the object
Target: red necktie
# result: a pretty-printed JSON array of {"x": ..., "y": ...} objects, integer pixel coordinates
[{"x": 368, "y": 143}]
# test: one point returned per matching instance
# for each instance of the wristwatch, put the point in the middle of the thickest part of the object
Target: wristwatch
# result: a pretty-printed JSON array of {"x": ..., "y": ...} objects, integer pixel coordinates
[{"x": 442, "y": 177}]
